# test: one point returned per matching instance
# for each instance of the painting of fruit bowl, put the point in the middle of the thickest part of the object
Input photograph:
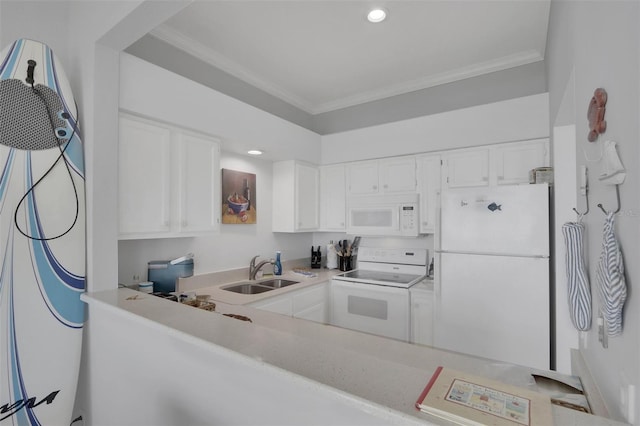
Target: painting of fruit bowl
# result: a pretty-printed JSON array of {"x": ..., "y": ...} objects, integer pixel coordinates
[
  {"x": 238, "y": 197},
  {"x": 237, "y": 203}
]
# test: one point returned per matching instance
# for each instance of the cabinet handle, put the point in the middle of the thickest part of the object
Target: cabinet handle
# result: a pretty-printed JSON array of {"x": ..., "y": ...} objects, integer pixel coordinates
[
  {"x": 485, "y": 178},
  {"x": 500, "y": 177},
  {"x": 375, "y": 187},
  {"x": 385, "y": 186}
]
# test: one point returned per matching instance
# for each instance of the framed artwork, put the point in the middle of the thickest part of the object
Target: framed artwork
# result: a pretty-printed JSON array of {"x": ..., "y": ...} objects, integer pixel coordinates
[{"x": 238, "y": 197}]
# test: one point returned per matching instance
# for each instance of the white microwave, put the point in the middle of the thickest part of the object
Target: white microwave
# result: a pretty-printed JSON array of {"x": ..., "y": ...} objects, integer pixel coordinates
[{"x": 383, "y": 215}]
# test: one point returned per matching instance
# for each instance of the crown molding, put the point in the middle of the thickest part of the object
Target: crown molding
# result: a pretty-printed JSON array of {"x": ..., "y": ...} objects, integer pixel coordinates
[
  {"x": 474, "y": 70},
  {"x": 213, "y": 58},
  {"x": 193, "y": 47}
]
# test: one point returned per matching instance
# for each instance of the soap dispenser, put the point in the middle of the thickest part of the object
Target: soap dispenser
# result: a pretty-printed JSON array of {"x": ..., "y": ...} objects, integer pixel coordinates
[{"x": 277, "y": 268}]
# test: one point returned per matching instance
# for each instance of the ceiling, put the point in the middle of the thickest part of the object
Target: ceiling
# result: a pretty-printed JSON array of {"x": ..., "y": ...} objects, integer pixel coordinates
[{"x": 321, "y": 56}]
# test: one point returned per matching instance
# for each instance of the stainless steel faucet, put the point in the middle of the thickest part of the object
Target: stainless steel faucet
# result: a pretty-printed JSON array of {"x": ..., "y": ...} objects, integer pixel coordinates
[{"x": 253, "y": 268}]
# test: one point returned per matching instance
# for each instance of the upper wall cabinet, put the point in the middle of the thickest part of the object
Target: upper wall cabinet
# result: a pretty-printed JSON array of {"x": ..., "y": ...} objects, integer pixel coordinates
[
  {"x": 167, "y": 181},
  {"x": 332, "y": 198},
  {"x": 391, "y": 175},
  {"x": 514, "y": 161},
  {"x": 295, "y": 196},
  {"x": 504, "y": 164},
  {"x": 428, "y": 187},
  {"x": 466, "y": 168}
]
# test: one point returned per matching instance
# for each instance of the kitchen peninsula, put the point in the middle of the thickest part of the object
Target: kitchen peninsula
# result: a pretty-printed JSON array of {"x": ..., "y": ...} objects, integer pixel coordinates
[{"x": 200, "y": 367}]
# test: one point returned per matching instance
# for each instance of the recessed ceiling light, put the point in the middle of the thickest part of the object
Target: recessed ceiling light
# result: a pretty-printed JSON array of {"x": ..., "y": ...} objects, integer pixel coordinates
[
  {"x": 377, "y": 15},
  {"x": 254, "y": 152}
]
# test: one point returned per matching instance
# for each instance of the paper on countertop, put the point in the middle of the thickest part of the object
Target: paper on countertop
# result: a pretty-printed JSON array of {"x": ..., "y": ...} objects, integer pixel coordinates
[
  {"x": 564, "y": 390},
  {"x": 305, "y": 273}
]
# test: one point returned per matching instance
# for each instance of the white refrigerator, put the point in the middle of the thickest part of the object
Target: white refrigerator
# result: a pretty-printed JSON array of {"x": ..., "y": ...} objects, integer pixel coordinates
[{"x": 492, "y": 284}]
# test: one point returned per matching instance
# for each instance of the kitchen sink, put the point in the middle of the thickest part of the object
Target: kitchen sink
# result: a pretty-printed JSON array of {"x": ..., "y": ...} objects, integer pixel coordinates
[
  {"x": 257, "y": 287},
  {"x": 278, "y": 283},
  {"x": 247, "y": 288}
]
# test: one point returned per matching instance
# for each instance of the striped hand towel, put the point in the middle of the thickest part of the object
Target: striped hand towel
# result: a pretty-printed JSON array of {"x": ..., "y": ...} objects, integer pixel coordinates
[
  {"x": 610, "y": 275},
  {"x": 577, "y": 278}
]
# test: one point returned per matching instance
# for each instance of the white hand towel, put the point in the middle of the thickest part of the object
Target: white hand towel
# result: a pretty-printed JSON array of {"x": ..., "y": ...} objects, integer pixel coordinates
[
  {"x": 577, "y": 278},
  {"x": 610, "y": 275},
  {"x": 613, "y": 172}
]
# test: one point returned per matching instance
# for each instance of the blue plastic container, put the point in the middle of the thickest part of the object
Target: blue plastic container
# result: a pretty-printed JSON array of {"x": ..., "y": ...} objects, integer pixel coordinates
[{"x": 165, "y": 275}]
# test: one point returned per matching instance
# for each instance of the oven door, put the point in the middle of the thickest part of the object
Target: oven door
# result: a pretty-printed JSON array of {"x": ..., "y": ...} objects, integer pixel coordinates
[{"x": 374, "y": 309}]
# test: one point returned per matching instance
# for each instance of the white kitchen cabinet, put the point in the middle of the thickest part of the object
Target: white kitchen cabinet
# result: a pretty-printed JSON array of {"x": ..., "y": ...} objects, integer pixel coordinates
[
  {"x": 198, "y": 159},
  {"x": 428, "y": 167},
  {"x": 421, "y": 315},
  {"x": 310, "y": 303},
  {"x": 466, "y": 168},
  {"x": 278, "y": 305},
  {"x": 296, "y": 188},
  {"x": 398, "y": 174},
  {"x": 513, "y": 161},
  {"x": 167, "y": 181},
  {"x": 494, "y": 165},
  {"x": 362, "y": 178},
  {"x": 332, "y": 198},
  {"x": 144, "y": 177},
  {"x": 385, "y": 176}
]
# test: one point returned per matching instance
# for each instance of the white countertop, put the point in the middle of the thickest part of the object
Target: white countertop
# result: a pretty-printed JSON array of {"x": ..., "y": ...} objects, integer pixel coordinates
[
  {"x": 384, "y": 372},
  {"x": 213, "y": 286}
]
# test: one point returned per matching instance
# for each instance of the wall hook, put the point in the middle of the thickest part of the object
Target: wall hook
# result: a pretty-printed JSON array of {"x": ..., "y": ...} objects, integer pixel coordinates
[
  {"x": 617, "y": 197},
  {"x": 586, "y": 197},
  {"x": 584, "y": 190}
]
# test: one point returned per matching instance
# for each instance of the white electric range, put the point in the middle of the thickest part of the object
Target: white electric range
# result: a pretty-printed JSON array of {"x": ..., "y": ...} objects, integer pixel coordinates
[{"x": 374, "y": 298}]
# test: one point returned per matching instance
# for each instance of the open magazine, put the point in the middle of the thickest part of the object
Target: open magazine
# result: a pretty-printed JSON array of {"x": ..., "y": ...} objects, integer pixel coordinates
[{"x": 466, "y": 399}]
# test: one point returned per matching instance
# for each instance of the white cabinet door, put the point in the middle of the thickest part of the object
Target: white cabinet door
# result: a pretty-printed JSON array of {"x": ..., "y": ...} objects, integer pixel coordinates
[
  {"x": 278, "y": 305},
  {"x": 467, "y": 168},
  {"x": 307, "y": 181},
  {"x": 362, "y": 178},
  {"x": 144, "y": 177},
  {"x": 312, "y": 303},
  {"x": 422, "y": 317},
  {"x": 389, "y": 176},
  {"x": 429, "y": 189},
  {"x": 296, "y": 188},
  {"x": 398, "y": 174},
  {"x": 332, "y": 198},
  {"x": 168, "y": 181},
  {"x": 199, "y": 181},
  {"x": 316, "y": 313},
  {"x": 514, "y": 161}
]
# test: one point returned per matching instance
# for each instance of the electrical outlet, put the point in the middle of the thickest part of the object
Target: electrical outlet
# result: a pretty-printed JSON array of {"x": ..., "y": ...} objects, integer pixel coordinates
[
  {"x": 602, "y": 331},
  {"x": 136, "y": 279}
]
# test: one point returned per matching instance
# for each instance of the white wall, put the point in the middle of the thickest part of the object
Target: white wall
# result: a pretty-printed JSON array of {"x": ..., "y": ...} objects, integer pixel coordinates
[
  {"x": 233, "y": 247},
  {"x": 206, "y": 110},
  {"x": 177, "y": 379},
  {"x": 506, "y": 121},
  {"x": 595, "y": 44},
  {"x": 156, "y": 93}
]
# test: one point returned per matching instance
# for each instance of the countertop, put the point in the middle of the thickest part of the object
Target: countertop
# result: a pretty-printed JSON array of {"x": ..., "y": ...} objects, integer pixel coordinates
[
  {"x": 381, "y": 372},
  {"x": 212, "y": 286}
]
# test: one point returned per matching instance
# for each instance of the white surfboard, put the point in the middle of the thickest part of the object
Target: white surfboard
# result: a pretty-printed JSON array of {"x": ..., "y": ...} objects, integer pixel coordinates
[{"x": 42, "y": 238}]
